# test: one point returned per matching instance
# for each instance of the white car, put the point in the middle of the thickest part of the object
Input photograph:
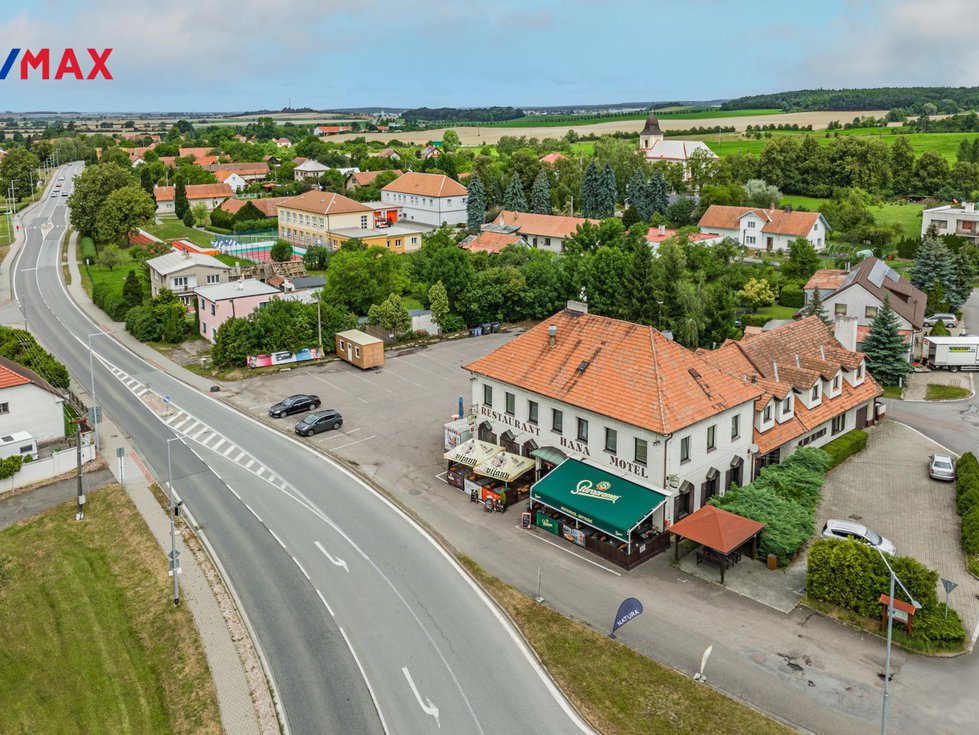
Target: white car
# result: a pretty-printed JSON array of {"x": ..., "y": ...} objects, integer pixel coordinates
[
  {"x": 947, "y": 319},
  {"x": 941, "y": 467},
  {"x": 837, "y": 528}
]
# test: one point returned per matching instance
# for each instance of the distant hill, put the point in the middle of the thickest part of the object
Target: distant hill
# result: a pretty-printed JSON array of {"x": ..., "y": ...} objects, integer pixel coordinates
[{"x": 910, "y": 99}]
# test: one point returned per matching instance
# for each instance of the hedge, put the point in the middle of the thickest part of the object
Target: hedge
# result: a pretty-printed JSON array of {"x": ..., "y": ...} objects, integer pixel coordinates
[
  {"x": 109, "y": 301},
  {"x": 845, "y": 446},
  {"x": 10, "y": 466},
  {"x": 792, "y": 296},
  {"x": 754, "y": 320},
  {"x": 967, "y": 502},
  {"x": 852, "y": 575},
  {"x": 89, "y": 254}
]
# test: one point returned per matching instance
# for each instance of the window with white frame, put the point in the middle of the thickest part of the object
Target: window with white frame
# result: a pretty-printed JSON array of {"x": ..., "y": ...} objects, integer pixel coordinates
[
  {"x": 736, "y": 426},
  {"x": 712, "y": 437},
  {"x": 839, "y": 423},
  {"x": 487, "y": 390},
  {"x": 532, "y": 410},
  {"x": 641, "y": 451},
  {"x": 814, "y": 394},
  {"x": 685, "y": 449},
  {"x": 180, "y": 282},
  {"x": 611, "y": 440},
  {"x": 767, "y": 413},
  {"x": 557, "y": 421},
  {"x": 510, "y": 403},
  {"x": 215, "y": 278},
  {"x": 582, "y": 429},
  {"x": 839, "y": 309}
]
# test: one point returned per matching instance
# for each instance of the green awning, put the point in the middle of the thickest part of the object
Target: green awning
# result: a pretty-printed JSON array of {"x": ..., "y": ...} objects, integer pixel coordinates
[
  {"x": 596, "y": 498},
  {"x": 552, "y": 455}
]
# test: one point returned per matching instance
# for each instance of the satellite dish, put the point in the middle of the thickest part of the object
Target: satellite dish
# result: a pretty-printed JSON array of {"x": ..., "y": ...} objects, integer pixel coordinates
[{"x": 753, "y": 449}]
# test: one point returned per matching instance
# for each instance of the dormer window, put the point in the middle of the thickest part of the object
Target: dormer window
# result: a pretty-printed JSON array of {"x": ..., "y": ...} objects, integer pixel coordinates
[
  {"x": 787, "y": 405},
  {"x": 767, "y": 414},
  {"x": 836, "y": 382},
  {"x": 814, "y": 395},
  {"x": 860, "y": 372}
]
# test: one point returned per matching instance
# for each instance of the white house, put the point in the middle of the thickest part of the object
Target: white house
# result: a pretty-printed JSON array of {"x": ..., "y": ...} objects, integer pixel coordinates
[
  {"x": 860, "y": 292},
  {"x": 430, "y": 199},
  {"x": 542, "y": 231},
  {"x": 29, "y": 403},
  {"x": 182, "y": 271},
  {"x": 764, "y": 229},
  {"x": 210, "y": 195},
  {"x": 948, "y": 220},
  {"x": 309, "y": 169},
  {"x": 231, "y": 179}
]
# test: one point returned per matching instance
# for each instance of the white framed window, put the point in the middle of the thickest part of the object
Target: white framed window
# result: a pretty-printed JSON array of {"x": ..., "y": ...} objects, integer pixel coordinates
[
  {"x": 215, "y": 278},
  {"x": 767, "y": 413},
  {"x": 582, "y": 429},
  {"x": 736, "y": 426},
  {"x": 557, "y": 421},
  {"x": 685, "y": 449},
  {"x": 487, "y": 392},
  {"x": 356, "y": 352},
  {"x": 641, "y": 451},
  {"x": 180, "y": 282},
  {"x": 839, "y": 309},
  {"x": 4, "y": 408},
  {"x": 749, "y": 239},
  {"x": 712, "y": 437},
  {"x": 814, "y": 394},
  {"x": 532, "y": 410},
  {"x": 611, "y": 440},
  {"x": 751, "y": 224}
]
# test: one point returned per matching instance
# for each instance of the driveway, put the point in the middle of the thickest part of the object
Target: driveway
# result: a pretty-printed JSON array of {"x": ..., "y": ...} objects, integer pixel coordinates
[{"x": 887, "y": 488}]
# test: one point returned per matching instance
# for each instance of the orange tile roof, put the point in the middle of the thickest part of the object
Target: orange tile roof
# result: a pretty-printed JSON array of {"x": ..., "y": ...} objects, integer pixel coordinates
[
  {"x": 194, "y": 191},
  {"x": 426, "y": 185},
  {"x": 170, "y": 161},
  {"x": 825, "y": 278},
  {"x": 491, "y": 242},
  {"x": 242, "y": 169},
  {"x": 223, "y": 176},
  {"x": 324, "y": 202},
  {"x": 631, "y": 372},
  {"x": 777, "y": 221},
  {"x": 205, "y": 161},
  {"x": 195, "y": 152},
  {"x": 366, "y": 178},
  {"x": 551, "y": 158},
  {"x": 542, "y": 225},
  {"x": 717, "y": 528},
  {"x": 10, "y": 379},
  {"x": 267, "y": 206}
]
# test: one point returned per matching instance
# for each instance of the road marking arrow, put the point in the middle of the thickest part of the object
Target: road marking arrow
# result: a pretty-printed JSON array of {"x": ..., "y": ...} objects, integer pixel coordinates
[
  {"x": 335, "y": 560},
  {"x": 427, "y": 707}
]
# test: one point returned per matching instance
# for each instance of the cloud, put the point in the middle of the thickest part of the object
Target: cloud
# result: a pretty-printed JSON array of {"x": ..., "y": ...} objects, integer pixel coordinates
[{"x": 896, "y": 43}]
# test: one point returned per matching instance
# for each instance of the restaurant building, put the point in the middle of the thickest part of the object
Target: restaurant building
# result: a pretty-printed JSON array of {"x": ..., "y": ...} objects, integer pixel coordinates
[{"x": 631, "y": 432}]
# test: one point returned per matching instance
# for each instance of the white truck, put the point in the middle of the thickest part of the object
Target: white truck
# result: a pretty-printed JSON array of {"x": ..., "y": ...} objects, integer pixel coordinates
[
  {"x": 19, "y": 442},
  {"x": 953, "y": 353}
]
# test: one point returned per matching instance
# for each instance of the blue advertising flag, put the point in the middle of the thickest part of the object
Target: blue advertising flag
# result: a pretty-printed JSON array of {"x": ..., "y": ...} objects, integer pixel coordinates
[
  {"x": 462, "y": 413},
  {"x": 630, "y": 608}
]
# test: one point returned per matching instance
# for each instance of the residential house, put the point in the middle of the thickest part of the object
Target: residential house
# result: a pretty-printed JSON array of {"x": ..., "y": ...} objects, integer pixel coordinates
[
  {"x": 183, "y": 271},
  {"x": 389, "y": 153},
  {"x": 249, "y": 171},
  {"x": 210, "y": 195},
  {"x": 298, "y": 288},
  {"x": 429, "y": 151},
  {"x": 29, "y": 403},
  {"x": 657, "y": 235},
  {"x": 222, "y": 301},
  {"x": 357, "y": 179},
  {"x": 543, "y": 231},
  {"x": 194, "y": 152},
  {"x": 764, "y": 229},
  {"x": 489, "y": 241},
  {"x": 231, "y": 179},
  {"x": 429, "y": 199},
  {"x": 321, "y": 130},
  {"x": 325, "y": 219},
  {"x": 655, "y": 147},
  {"x": 205, "y": 161},
  {"x": 282, "y": 142},
  {"x": 861, "y": 291},
  {"x": 962, "y": 221},
  {"x": 309, "y": 169},
  {"x": 268, "y": 206},
  {"x": 551, "y": 159},
  {"x": 815, "y": 389}
]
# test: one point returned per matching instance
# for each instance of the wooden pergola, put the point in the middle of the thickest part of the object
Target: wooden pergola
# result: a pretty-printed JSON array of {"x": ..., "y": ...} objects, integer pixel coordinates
[{"x": 720, "y": 531}]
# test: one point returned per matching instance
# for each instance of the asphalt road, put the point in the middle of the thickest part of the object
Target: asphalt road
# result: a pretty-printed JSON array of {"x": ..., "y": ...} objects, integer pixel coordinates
[{"x": 367, "y": 624}]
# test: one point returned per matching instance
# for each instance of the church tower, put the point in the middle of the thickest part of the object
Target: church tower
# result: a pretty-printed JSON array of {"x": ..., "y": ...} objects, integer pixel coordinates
[{"x": 651, "y": 134}]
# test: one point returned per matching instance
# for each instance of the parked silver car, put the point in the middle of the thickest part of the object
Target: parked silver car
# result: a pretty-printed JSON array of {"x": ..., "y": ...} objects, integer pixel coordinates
[
  {"x": 947, "y": 319},
  {"x": 837, "y": 528},
  {"x": 941, "y": 467}
]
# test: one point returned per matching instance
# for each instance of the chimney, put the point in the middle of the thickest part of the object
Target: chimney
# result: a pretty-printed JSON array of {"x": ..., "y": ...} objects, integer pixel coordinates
[
  {"x": 775, "y": 367},
  {"x": 970, "y": 206},
  {"x": 662, "y": 229},
  {"x": 552, "y": 335},
  {"x": 579, "y": 306},
  {"x": 845, "y": 331}
]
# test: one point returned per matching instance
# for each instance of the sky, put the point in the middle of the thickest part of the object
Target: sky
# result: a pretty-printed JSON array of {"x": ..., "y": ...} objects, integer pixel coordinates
[{"x": 236, "y": 55}]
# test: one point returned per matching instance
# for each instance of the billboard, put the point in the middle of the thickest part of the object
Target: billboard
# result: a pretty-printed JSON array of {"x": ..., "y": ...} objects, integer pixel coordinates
[{"x": 284, "y": 358}]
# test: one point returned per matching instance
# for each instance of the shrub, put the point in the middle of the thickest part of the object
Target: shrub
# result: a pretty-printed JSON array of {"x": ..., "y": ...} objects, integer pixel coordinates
[
  {"x": 792, "y": 296},
  {"x": 799, "y": 478},
  {"x": 966, "y": 482},
  {"x": 453, "y": 323},
  {"x": 10, "y": 466},
  {"x": 142, "y": 324},
  {"x": 845, "y": 446},
  {"x": 89, "y": 254},
  {"x": 970, "y": 531},
  {"x": 787, "y": 524},
  {"x": 754, "y": 320}
]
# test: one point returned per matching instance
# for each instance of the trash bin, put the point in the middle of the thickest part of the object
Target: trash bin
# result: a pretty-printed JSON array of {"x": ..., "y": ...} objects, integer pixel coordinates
[
  {"x": 772, "y": 561},
  {"x": 495, "y": 327},
  {"x": 487, "y": 328}
]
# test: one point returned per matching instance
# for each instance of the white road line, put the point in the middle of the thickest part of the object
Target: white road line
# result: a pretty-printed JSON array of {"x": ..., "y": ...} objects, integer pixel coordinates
[
  {"x": 250, "y": 463},
  {"x": 375, "y": 385},
  {"x": 337, "y": 387},
  {"x": 350, "y": 444},
  {"x": 199, "y": 433},
  {"x": 427, "y": 706},
  {"x": 240, "y": 456},
  {"x": 254, "y": 513},
  {"x": 195, "y": 426},
  {"x": 277, "y": 538},
  {"x": 327, "y": 604},
  {"x": 583, "y": 558},
  {"x": 367, "y": 681},
  {"x": 441, "y": 476},
  {"x": 388, "y": 371},
  {"x": 232, "y": 490},
  {"x": 220, "y": 444},
  {"x": 229, "y": 450},
  {"x": 141, "y": 393},
  {"x": 170, "y": 421},
  {"x": 334, "y": 560},
  {"x": 301, "y": 569}
]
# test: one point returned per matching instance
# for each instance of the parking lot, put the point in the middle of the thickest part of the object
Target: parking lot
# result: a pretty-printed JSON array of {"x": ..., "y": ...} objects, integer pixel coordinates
[{"x": 887, "y": 488}]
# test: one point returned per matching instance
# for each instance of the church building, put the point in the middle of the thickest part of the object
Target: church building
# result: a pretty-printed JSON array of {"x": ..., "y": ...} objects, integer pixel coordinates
[{"x": 654, "y": 146}]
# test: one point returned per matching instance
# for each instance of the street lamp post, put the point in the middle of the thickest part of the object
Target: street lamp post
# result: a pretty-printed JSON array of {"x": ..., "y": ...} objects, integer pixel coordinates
[
  {"x": 91, "y": 372},
  {"x": 890, "y": 628},
  {"x": 173, "y": 532}
]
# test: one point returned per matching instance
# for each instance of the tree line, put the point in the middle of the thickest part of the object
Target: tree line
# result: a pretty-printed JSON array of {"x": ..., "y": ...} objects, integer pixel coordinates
[{"x": 945, "y": 99}]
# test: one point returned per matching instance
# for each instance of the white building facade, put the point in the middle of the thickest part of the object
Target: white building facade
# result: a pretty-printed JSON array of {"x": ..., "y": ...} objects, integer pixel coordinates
[{"x": 428, "y": 199}]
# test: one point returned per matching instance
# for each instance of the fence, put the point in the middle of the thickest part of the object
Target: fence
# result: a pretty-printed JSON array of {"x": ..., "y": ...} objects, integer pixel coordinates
[{"x": 39, "y": 470}]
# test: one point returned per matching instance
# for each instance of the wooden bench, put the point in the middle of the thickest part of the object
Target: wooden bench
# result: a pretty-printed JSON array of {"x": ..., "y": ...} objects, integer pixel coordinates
[{"x": 717, "y": 561}]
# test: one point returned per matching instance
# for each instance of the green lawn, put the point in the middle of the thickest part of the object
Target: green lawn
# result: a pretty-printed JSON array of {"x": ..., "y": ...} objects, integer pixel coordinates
[
  {"x": 938, "y": 392},
  {"x": 795, "y": 201},
  {"x": 231, "y": 260},
  {"x": 113, "y": 278},
  {"x": 777, "y": 311},
  {"x": 91, "y": 639},
  {"x": 893, "y": 391},
  {"x": 907, "y": 216},
  {"x": 173, "y": 229}
]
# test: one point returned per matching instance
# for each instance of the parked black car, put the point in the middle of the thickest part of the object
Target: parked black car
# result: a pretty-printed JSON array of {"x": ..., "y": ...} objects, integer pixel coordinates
[
  {"x": 294, "y": 404},
  {"x": 319, "y": 421}
]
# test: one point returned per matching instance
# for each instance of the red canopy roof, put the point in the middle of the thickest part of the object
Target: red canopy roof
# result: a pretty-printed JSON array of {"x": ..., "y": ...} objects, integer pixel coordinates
[{"x": 717, "y": 529}]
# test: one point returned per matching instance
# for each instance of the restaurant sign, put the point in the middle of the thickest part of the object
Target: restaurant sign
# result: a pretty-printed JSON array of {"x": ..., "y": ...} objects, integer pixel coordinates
[
  {"x": 548, "y": 524},
  {"x": 599, "y": 491}
]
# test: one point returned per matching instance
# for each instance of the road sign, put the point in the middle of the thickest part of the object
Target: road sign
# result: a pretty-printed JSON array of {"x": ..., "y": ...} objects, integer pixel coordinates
[
  {"x": 173, "y": 555},
  {"x": 166, "y": 399},
  {"x": 95, "y": 415},
  {"x": 949, "y": 586},
  {"x": 120, "y": 452}
]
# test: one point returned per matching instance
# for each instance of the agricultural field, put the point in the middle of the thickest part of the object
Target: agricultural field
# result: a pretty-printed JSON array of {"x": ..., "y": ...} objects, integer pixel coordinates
[
  {"x": 681, "y": 114},
  {"x": 906, "y": 216}
]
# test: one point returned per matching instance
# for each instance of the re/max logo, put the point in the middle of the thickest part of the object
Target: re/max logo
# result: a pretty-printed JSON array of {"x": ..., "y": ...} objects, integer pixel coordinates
[{"x": 68, "y": 66}]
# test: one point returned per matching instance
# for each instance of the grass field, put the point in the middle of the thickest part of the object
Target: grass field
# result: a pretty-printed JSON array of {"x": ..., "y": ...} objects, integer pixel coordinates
[
  {"x": 618, "y": 690},
  {"x": 777, "y": 311},
  {"x": 906, "y": 216},
  {"x": 711, "y": 114},
  {"x": 173, "y": 229},
  {"x": 91, "y": 639},
  {"x": 939, "y": 392},
  {"x": 231, "y": 260},
  {"x": 112, "y": 278}
]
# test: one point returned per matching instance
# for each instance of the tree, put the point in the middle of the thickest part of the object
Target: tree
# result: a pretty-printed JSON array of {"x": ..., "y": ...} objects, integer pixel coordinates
[
  {"x": 639, "y": 195},
  {"x": 199, "y": 213},
  {"x": 934, "y": 266},
  {"x": 146, "y": 180},
  {"x": 358, "y": 278},
  {"x": 180, "y": 203},
  {"x": 607, "y": 194},
  {"x": 17, "y": 167},
  {"x": 90, "y": 189},
  {"x": 885, "y": 348},
  {"x": 758, "y": 193},
  {"x": 540, "y": 194},
  {"x": 802, "y": 261},
  {"x": 638, "y": 283},
  {"x": 235, "y": 340},
  {"x": 441, "y": 261},
  {"x": 931, "y": 172},
  {"x": 514, "y": 199},
  {"x": 658, "y": 193},
  {"x": 188, "y": 218},
  {"x": 122, "y": 212},
  {"x": 281, "y": 252},
  {"x": 475, "y": 204},
  {"x": 939, "y": 330},
  {"x": 757, "y": 293},
  {"x": 590, "y": 191},
  {"x": 681, "y": 212},
  {"x": 450, "y": 140},
  {"x": 109, "y": 257},
  {"x": 815, "y": 307},
  {"x": 391, "y": 314},
  {"x": 902, "y": 165},
  {"x": 438, "y": 302},
  {"x": 132, "y": 290},
  {"x": 284, "y": 326}
]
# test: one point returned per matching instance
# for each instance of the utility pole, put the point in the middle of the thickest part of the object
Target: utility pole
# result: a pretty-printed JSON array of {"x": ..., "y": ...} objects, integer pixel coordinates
[
  {"x": 174, "y": 554},
  {"x": 319, "y": 322},
  {"x": 80, "y": 427}
]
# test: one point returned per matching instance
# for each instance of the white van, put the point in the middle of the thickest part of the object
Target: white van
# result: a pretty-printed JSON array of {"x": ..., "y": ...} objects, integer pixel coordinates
[{"x": 20, "y": 443}]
